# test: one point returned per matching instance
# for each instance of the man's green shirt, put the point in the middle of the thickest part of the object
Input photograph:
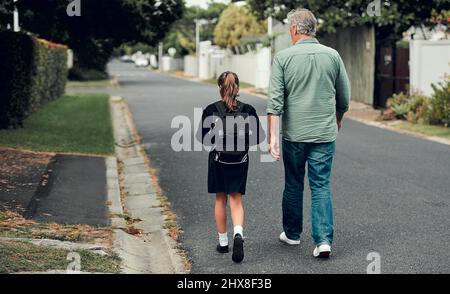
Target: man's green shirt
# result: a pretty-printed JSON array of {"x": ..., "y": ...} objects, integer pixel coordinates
[{"x": 309, "y": 84}]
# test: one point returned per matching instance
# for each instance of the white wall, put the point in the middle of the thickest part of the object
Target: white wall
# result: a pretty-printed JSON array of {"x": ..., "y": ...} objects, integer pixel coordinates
[
  {"x": 204, "y": 63},
  {"x": 243, "y": 65},
  {"x": 171, "y": 64},
  {"x": 264, "y": 68},
  {"x": 252, "y": 68},
  {"x": 429, "y": 62},
  {"x": 190, "y": 66}
]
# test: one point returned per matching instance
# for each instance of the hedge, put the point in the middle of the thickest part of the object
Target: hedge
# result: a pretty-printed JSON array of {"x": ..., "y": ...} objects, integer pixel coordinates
[{"x": 32, "y": 72}]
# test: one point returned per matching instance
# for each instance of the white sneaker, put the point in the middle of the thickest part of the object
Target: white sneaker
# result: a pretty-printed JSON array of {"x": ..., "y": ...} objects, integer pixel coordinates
[
  {"x": 322, "y": 251},
  {"x": 288, "y": 241}
]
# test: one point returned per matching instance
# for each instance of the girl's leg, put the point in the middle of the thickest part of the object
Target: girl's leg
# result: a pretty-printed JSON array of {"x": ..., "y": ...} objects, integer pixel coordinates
[
  {"x": 221, "y": 213},
  {"x": 237, "y": 214},
  {"x": 221, "y": 222},
  {"x": 237, "y": 209}
]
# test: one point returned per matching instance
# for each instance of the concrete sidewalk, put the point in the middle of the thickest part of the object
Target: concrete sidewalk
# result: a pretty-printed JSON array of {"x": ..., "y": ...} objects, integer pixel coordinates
[
  {"x": 20, "y": 175},
  {"x": 74, "y": 193},
  {"x": 50, "y": 188}
]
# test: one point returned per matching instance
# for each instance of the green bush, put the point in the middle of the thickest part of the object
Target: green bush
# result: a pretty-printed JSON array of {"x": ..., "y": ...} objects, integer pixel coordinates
[
  {"x": 33, "y": 72},
  {"x": 439, "y": 109},
  {"x": 401, "y": 110},
  {"x": 410, "y": 107},
  {"x": 418, "y": 107}
]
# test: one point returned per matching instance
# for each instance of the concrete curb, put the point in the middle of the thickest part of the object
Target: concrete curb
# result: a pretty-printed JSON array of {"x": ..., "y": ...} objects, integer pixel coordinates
[
  {"x": 153, "y": 251},
  {"x": 112, "y": 179}
]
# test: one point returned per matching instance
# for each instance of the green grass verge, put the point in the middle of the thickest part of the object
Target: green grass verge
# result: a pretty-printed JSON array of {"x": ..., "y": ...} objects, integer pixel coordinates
[
  {"x": 25, "y": 257},
  {"x": 242, "y": 85},
  {"x": 75, "y": 123},
  {"x": 429, "y": 130},
  {"x": 90, "y": 84}
]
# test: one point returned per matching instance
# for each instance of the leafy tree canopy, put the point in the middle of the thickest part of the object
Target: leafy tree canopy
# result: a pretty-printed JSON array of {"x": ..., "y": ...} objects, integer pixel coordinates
[
  {"x": 235, "y": 24},
  {"x": 182, "y": 34},
  {"x": 396, "y": 16},
  {"x": 103, "y": 24}
]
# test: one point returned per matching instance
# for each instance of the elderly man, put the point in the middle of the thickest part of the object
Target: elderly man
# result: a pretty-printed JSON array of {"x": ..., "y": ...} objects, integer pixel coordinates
[{"x": 310, "y": 89}]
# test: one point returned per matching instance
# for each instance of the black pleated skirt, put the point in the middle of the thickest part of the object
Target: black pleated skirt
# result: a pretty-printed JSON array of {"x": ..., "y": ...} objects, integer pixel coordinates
[{"x": 223, "y": 178}]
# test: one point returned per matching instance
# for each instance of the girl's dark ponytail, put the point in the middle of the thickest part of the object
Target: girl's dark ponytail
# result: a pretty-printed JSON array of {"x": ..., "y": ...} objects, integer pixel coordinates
[{"x": 228, "y": 83}]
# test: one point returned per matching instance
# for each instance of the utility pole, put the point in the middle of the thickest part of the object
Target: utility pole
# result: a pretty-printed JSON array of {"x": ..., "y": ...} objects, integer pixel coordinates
[
  {"x": 16, "y": 18},
  {"x": 198, "y": 24},
  {"x": 197, "y": 36},
  {"x": 271, "y": 35},
  {"x": 270, "y": 26},
  {"x": 160, "y": 55}
]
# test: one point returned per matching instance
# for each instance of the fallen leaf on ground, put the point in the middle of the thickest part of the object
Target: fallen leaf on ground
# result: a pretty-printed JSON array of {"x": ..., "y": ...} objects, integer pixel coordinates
[{"x": 135, "y": 232}]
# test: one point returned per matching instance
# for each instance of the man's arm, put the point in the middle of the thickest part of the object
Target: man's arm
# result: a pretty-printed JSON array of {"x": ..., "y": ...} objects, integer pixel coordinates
[
  {"x": 275, "y": 107},
  {"x": 273, "y": 136},
  {"x": 339, "y": 118},
  {"x": 343, "y": 93}
]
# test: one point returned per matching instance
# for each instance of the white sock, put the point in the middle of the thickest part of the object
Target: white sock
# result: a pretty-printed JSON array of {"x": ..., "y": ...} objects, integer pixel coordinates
[
  {"x": 238, "y": 230},
  {"x": 223, "y": 239}
]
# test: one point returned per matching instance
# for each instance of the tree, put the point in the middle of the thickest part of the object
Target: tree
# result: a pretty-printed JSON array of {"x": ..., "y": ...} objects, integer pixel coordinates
[
  {"x": 102, "y": 26},
  {"x": 182, "y": 34},
  {"x": 236, "y": 23},
  {"x": 396, "y": 16}
]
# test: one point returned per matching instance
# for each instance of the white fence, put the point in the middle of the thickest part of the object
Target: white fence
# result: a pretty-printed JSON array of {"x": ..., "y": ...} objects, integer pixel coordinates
[
  {"x": 429, "y": 62},
  {"x": 243, "y": 65},
  {"x": 190, "y": 66},
  {"x": 171, "y": 64},
  {"x": 252, "y": 68}
]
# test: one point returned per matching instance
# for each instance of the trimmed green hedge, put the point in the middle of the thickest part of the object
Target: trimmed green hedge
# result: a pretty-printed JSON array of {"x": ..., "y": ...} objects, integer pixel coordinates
[{"x": 32, "y": 72}]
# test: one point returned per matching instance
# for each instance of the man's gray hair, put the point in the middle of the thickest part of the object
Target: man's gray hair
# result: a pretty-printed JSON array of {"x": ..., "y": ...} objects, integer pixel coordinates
[{"x": 304, "y": 20}]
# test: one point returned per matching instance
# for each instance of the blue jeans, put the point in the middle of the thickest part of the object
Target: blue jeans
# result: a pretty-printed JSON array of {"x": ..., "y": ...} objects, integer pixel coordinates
[{"x": 320, "y": 160}]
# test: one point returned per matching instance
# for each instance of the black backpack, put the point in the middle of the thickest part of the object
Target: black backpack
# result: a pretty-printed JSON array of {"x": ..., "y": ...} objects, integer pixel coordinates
[{"x": 239, "y": 134}]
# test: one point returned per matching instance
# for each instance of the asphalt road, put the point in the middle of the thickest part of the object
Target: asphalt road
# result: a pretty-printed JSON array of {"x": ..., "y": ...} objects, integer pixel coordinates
[{"x": 391, "y": 191}]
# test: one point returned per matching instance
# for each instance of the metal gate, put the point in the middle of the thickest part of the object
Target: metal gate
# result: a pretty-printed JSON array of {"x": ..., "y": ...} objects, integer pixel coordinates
[{"x": 392, "y": 73}]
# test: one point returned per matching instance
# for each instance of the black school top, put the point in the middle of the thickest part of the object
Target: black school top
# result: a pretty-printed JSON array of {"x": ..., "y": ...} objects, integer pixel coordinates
[{"x": 229, "y": 178}]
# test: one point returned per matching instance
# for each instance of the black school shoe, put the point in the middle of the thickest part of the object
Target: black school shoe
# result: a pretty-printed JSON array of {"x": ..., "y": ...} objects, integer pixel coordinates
[
  {"x": 238, "y": 249},
  {"x": 223, "y": 249}
]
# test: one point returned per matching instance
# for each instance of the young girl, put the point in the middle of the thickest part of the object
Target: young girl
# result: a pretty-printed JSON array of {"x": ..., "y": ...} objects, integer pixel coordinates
[{"x": 229, "y": 177}]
